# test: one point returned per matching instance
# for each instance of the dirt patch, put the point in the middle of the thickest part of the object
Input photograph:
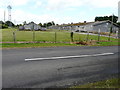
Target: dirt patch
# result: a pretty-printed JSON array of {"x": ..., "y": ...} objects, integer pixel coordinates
[{"x": 86, "y": 42}]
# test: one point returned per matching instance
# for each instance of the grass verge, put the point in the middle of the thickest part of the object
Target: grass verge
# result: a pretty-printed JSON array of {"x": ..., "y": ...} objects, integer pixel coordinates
[
  {"x": 110, "y": 83},
  {"x": 32, "y": 45},
  {"x": 107, "y": 43}
]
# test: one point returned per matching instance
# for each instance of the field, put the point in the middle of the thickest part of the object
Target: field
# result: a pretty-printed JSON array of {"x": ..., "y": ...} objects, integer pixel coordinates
[
  {"x": 50, "y": 37},
  {"x": 43, "y": 36},
  {"x": 110, "y": 83}
]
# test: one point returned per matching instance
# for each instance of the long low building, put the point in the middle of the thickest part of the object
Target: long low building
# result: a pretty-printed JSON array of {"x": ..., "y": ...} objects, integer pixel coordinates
[{"x": 102, "y": 26}]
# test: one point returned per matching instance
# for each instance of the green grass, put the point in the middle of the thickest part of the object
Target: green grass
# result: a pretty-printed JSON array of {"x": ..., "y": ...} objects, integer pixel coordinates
[
  {"x": 7, "y": 36},
  {"x": 62, "y": 36},
  {"x": 107, "y": 43},
  {"x": 27, "y": 45},
  {"x": 110, "y": 83}
]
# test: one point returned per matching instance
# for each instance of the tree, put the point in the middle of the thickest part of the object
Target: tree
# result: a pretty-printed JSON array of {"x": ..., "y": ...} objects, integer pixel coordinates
[
  {"x": 9, "y": 23},
  {"x": 115, "y": 18},
  {"x": 44, "y": 25},
  {"x": 24, "y": 22},
  {"x": 49, "y": 24},
  {"x": 40, "y": 24},
  {"x": 111, "y": 18},
  {"x": 3, "y": 25},
  {"x": 118, "y": 24},
  {"x": 1, "y": 22},
  {"x": 53, "y": 23}
]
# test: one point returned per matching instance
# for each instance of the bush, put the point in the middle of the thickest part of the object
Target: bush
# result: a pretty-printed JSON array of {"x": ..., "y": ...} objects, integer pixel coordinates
[{"x": 3, "y": 26}]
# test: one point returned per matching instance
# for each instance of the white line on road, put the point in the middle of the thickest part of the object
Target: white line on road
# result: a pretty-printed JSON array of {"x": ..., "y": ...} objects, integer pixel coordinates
[{"x": 64, "y": 57}]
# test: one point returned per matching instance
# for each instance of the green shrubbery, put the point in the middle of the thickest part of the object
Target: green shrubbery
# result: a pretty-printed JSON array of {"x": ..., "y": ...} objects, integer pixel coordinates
[
  {"x": 6, "y": 24},
  {"x": 3, "y": 26}
]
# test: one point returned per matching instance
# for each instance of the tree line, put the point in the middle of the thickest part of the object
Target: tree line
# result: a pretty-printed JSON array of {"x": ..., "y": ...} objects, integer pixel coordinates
[
  {"x": 9, "y": 24},
  {"x": 42, "y": 25},
  {"x": 112, "y": 18},
  {"x": 6, "y": 24},
  {"x": 48, "y": 24}
]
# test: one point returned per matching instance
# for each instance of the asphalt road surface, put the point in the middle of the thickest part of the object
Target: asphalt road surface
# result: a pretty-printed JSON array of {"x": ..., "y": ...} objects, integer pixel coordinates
[{"x": 57, "y": 66}]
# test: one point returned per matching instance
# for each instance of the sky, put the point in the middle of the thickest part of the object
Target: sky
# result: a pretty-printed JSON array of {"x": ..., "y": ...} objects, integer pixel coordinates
[{"x": 59, "y": 11}]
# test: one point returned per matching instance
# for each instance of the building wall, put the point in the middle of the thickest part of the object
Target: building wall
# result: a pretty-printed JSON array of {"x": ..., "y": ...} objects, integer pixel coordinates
[
  {"x": 88, "y": 27},
  {"x": 21, "y": 27},
  {"x": 105, "y": 27},
  {"x": 92, "y": 27},
  {"x": 30, "y": 26}
]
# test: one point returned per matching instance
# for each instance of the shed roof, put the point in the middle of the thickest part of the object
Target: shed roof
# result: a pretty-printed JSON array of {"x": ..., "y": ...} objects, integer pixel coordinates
[
  {"x": 102, "y": 22},
  {"x": 89, "y": 23}
]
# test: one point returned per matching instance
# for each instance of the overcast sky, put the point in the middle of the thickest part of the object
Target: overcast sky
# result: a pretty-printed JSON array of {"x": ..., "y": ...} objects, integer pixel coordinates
[{"x": 59, "y": 11}]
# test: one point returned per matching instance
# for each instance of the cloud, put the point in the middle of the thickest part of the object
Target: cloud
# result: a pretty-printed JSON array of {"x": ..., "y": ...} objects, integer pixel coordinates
[
  {"x": 4, "y": 3},
  {"x": 20, "y": 16},
  {"x": 36, "y": 3},
  {"x": 62, "y": 4},
  {"x": 102, "y": 3},
  {"x": 1, "y": 14}
]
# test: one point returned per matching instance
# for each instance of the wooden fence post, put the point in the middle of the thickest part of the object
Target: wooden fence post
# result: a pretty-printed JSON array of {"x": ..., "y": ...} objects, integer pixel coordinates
[
  {"x": 14, "y": 37},
  {"x": 87, "y": 36},
  {"x": 71, "y": 35},
  {"x": 55, "y": 36},
  {"x": 33, "y": 36}
]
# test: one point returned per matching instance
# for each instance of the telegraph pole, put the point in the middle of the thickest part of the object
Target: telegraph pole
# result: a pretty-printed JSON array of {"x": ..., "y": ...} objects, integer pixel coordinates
[
  {"x": 111, "y": 28},
  {"x": 9, "y": 12},
  {"x": 4, "y": 16}
]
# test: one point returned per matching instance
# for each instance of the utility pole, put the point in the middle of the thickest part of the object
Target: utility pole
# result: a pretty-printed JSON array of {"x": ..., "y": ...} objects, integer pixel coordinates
[
  {"x": 111, "y": 28},
  {"x": 4, "y": 16},
  {"x": 33, "y": 32},
  {"x": 9, "y": 15},
  {"x": 87, "y": 36},
  {"x": 9, "y": 12}
]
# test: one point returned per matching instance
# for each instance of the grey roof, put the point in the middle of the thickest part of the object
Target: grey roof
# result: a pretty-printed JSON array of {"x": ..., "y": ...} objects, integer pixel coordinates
[{"x": 102, "y": 22}]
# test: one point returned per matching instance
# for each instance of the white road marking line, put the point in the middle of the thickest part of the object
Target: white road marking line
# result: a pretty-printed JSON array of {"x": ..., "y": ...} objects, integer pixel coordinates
[{"x": 64, "y": 57}]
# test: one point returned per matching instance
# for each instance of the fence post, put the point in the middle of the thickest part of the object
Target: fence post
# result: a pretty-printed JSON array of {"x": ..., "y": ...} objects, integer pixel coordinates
[
  {"x": 71, "y": 34},
  {"x": 116, "y": 34},
  {"x": 99, "y": 35},
  {"x": 87, "y": 36},
  {"x": 14, "y": 37},
  {"x": 79, "y": 37},
  {"x": 55, "y": 36},
  {"x": 33, "y": 36},
  {"x": 110, "y": 33}
]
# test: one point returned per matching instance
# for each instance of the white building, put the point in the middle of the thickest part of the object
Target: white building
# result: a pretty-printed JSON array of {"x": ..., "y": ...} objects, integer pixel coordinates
[{"x": 30, "y": 26}]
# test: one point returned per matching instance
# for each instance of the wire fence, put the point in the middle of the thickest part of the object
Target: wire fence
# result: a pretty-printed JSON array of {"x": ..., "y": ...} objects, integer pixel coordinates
[{"x": 17, "y": 36}]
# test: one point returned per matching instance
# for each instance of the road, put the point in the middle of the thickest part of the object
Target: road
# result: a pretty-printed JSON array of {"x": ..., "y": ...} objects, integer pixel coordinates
[{"x": 44, "y": 67}]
